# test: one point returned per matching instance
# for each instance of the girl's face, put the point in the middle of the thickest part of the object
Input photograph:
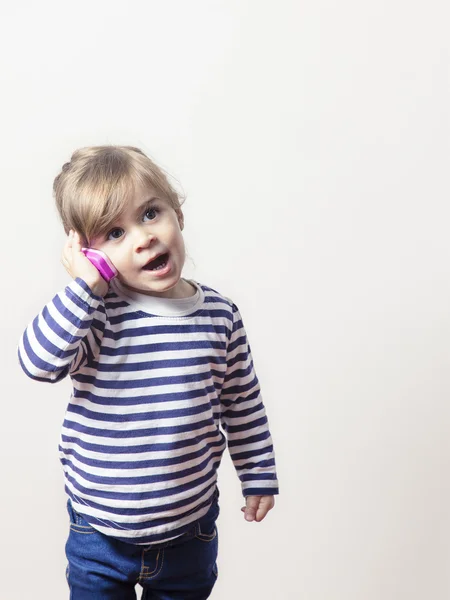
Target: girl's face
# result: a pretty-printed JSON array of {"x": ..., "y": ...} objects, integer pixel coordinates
[{"x": 148, "y": 228}]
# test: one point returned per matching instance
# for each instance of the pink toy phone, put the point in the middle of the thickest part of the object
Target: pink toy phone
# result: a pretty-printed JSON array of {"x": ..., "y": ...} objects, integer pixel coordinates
[{"x": 99, "y": 259}]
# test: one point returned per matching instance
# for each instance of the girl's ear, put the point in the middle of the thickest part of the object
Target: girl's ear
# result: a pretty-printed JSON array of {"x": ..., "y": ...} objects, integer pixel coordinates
[{"x": 180, "y": 218}]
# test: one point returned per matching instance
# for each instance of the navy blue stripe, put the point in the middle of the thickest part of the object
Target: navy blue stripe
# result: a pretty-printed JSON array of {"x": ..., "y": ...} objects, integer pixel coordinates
[
  {"x": 269, "y": 462},
  {"x": 79, "y": 301},
  {"x": 98, "y": 324},
  {"x": 236, "y": 413},
  {"x": 160, "y": 364},
  {"x": 86, "y": 288},
  {"x": 257, "y": 477},
  {"x": 248, "y": 440},
  {"x": 139, "y": 464},
  {"x": 252, "y": 453},
  {"x": 240, "y": 341},
  {"x": 237, "y": 390},
  {"x": 212, "y": 438},
  {"x": 148, "y": 398},
  {"x": 56, "y": 327},
  {"x": 247, "y": 426},
  {"x": 240, "y": 357},
  {"x": 264, "y": 491},
  {"x": 215, "y": 297},
  {"x": 176, "y": 346},
  {"x": 140, "y": 416},
  {"x": 130, "y": 384},
  {"x": 35, "y": 377},
  {"x": 176, "y": 328},
  {"x": 116, "y": 304},
  {"x": 67, "y": 314},
  {"x": 238, "y": 373},
  {"x": 80, "y": 358},
  {"x": 234, "y": 401}
]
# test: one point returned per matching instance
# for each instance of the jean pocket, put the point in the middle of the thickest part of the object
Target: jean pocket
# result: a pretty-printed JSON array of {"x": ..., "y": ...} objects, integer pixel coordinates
[
  {"x": 205, "y": 536},
  {"x": 206, "y": 529},
  {"x": 77, "y": 522}
]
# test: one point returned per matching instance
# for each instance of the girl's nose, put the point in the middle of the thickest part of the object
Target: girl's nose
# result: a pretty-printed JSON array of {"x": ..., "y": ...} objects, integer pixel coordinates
[{"x": 142, "y": 240}]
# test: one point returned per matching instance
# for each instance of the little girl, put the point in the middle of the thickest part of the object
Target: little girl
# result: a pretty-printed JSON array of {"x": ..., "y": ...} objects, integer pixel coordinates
[{"x": 160, "y": 365}]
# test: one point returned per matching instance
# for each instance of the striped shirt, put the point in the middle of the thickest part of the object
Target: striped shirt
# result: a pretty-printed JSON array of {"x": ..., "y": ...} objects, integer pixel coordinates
[{"x": 160, "y": 388}]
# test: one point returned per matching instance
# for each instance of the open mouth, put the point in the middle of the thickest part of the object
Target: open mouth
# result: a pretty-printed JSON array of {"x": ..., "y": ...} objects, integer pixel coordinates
[{"x": 158, "y": 263}]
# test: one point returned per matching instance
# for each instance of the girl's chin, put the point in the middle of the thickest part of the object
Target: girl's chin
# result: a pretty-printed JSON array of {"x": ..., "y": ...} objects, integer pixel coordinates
[{"x": 162, "y": 288}]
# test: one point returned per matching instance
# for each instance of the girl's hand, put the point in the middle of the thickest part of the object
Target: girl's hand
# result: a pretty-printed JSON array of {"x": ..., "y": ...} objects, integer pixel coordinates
[
  {"x": 77, "y": 265},
  {"x": 257, "y": 507}
]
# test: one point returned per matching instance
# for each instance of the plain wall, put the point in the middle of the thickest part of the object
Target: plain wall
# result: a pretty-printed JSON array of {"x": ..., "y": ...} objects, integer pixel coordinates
[{"x": 310, "y": 139}]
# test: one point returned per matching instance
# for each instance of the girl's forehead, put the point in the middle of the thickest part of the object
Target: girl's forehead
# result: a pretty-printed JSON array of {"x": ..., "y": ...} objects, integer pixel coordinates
[
  {"x": 143, "y": 193},
  {"x": 143, "y": 198}
]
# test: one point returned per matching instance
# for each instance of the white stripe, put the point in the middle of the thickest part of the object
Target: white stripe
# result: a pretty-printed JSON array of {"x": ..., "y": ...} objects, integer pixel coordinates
[{"x": 142, "y": 440}]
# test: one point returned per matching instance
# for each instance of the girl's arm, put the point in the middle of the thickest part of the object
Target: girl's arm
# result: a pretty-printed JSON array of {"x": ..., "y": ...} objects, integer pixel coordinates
[
  {"x": 65, "y": 335},
  {"x": 244, "y": 417}
]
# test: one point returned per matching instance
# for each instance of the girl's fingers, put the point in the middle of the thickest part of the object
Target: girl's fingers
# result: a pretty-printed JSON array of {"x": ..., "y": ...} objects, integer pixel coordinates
[
  {"x": 251, "y": 506},
  {"x": 76, "y": 242},
  {"x": 266, "y": 504},
  {"x": 68, "y": 250},
  {"x": 257, "y": 507}
]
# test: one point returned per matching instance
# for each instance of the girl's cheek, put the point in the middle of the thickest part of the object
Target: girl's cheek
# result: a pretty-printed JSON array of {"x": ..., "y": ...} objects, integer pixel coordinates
[{"x": 117, "y": 263}]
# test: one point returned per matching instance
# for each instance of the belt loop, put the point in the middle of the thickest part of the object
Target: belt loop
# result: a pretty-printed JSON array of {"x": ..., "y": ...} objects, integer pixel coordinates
[{"x": 71, "y": 512}]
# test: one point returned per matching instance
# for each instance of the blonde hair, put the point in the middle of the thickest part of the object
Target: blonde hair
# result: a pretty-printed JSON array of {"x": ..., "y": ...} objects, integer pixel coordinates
[{"x": 91, "y": 190}]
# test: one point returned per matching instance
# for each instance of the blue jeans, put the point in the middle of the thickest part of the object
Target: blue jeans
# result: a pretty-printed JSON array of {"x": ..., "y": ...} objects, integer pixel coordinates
[{"x": 103, "y": 568}]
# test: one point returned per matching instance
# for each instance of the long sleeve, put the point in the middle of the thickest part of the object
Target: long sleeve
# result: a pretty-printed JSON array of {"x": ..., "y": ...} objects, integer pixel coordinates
[
  {"x": 65, "y": 335},
  {"x": 244, "y": 419}
]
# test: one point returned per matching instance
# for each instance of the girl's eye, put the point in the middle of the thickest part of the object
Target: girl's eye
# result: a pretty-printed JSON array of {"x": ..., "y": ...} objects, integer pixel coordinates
[
  {"x": 148, "y": 214},
  {"x": 115, "y": 234}
]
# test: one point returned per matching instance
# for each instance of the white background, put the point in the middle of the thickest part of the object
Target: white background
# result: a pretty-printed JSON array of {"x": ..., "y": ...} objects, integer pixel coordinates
[{"x": 311, "y": 140}]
